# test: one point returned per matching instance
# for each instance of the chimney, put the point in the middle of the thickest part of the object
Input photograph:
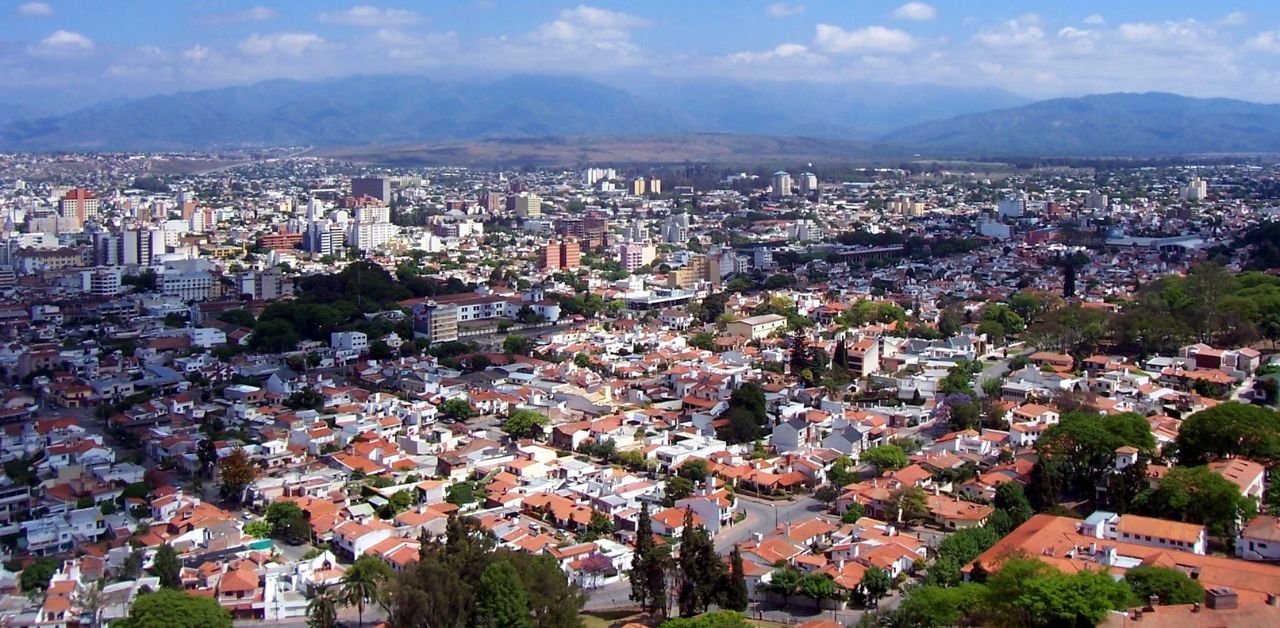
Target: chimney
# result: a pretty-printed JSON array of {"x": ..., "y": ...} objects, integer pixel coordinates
[{"x": 1221, "y": 599}]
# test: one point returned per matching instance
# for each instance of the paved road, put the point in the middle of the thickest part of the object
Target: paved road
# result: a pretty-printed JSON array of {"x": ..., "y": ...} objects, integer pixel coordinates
[{"x": 764, "y": 516}]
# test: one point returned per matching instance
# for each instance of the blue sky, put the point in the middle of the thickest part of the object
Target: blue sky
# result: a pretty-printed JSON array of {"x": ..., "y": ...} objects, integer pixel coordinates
[{"x": 1041, "y": 49}]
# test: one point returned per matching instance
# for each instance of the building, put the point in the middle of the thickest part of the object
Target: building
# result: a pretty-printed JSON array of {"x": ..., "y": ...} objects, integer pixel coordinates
[
  {"x": 355, "y": 341},
  {"x": 756, "y": 327},
  {"x": 564, "y": 254},
  {"x": 139, "y": 247},
  {"x": 675, "y": 229},
  {"x": 1148, "y": 531},
  {"x": 655, "y": 185},
  {"x": 1196, "y": 190},
  {"x": 780, "y": 185},
  {"x": 374, "y": 187},
  {"x": 435, "y": 322},
  {"x": 365, "y": 236},
  {"x": 634, "y": 255},
  {"x": 638, "y": 186},
  {"x": 864, "y": 356},
  {"x": 189, "y": 280},
  {"x": 101, "y": 282},
  {"x": 264, "y": 285},
  {"x": 78, "y": 205},
  {"x": 528, "y": 205},
  {"x": 322, "y": 238},
  {"x": 808, "y": 183}
]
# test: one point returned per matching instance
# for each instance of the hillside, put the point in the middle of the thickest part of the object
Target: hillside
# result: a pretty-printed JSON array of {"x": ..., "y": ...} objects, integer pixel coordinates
[{"x": 1106, "y": 124}]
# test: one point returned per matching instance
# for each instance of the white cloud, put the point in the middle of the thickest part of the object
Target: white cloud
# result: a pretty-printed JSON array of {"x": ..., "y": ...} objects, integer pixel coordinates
[
  {"x": 291, "y": 44},
  {"x": 1094, "y": 20},
  {"x": 1266, "y": 41},
  {"x": 791, "y": 53},
  {"x": 589, "y": 28},
  {"x": 1019, "y": 31},
  {"x": 782, "y": 9},
  {"x": 1069, "y": 32},
  {"x": 1234, "y": 18},
  {"x": 834, "y": 39},
  {"x": 35, "y": 9},
  {"x": 366, "y": 15},
  {"x": 196, "y": 53},
  {"x": 62, "y": 42},
  {"x": 917, "y": 11}
]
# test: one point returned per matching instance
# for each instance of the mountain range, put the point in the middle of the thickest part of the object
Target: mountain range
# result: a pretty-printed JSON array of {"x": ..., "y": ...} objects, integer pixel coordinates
[{"x": 374, "y": 110}]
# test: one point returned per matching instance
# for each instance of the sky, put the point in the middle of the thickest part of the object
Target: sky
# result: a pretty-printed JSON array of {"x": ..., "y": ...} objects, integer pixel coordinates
[{"x": 105, "y": 49}]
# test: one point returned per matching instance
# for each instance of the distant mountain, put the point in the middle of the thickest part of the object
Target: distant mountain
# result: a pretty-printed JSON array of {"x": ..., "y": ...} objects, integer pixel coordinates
[
  {"x": 350, "y": 111},
  {"x": 1105, "y": 124},
  {"x": 367, "y": 110}
]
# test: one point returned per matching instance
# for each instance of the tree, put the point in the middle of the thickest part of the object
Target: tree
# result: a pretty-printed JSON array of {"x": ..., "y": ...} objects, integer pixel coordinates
[
  {"x": 460, "y": 494},
  {"x": 501, "y": 597},
  {"x": 1197, "y": 495},
  {"x": 701, "y": 570},
  {"x": 911, "y": 503},
  {"x": 322, "y": 610},
  {"x": 885, "y": 458},
  {"x": 258, "y": 529},
  {"x": 238, "y": 471},
  {"x": 932, "y": 606},
  {"x": 36, "y": 575},
  {"x": 818, "y": 587},
  {"x": 1011, "y": 499},
  {"x": 168, "y": 608},
  {"x": 517, "y": 345},
  {"x": 306, "y": 399},
  {"x": 677, "y": 488},
  {"x": 88, "y": 602},
  {"x": 1080, "y": 448},
  {"x": 716, "y": 619},
  {"x": 964, "y": 415},
  {"x": 524, "y": 424},
  {"x": 582, "y": 360},
  {"x": 853, "y": 513},
  {"x": 876, "y": 583},
  {"x": 363, "y": 583},
  {"x": 694, "y": 470},
  {"x": 702, "y": 340},
  {"x": 288, "y": 522},
  {"x": 735, "y": 597},
  {"x": 648, "y": 567},
  {"x": 457, "y": 410},
  {"x": 1172, "y": 586},
  {"x": 1228, "y": 430},
  {"x": 167, "y": 567}
]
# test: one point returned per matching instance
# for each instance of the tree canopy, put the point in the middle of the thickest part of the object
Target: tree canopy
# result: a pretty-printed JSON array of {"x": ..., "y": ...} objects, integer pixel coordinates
[
  {"x": 1230, "y": 429},
  {"x": 170, "y": 608}
]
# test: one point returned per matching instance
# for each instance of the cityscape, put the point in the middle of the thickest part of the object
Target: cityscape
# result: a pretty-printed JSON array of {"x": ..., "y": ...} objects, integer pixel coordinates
[{"x": 286, "y": 358}]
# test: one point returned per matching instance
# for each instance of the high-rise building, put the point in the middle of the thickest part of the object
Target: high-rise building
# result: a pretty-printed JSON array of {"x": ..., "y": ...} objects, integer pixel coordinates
[
  {"x": 633, "y": 255},
  {"x": 638, "y": 186},
  {"x": 366, "y": 236},
  {"x": 675, "y": 230},
  {"x": 655, "y": 185},
  {"x": 1097, "y": 200},
  {"x": 808, "y": 183},
  {"x": 435, "y": 322},
  {"x": 78, "y": 205},
  {"x": 565, "y": 254},
  {"x": 1196, "y": 190},
  {"x": 492, "y": 202},
  {"x": 375, "y": 187},
  {"x": 781, "y": 184},
  {"x": 322, "y": 239},
  {"x": 528, "y": 205}
]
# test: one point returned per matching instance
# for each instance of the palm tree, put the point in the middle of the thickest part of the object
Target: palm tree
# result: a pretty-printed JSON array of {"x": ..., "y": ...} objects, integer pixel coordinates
[
  {"x": 363, "y": 583},
  {"x": 322, "y": 611}
]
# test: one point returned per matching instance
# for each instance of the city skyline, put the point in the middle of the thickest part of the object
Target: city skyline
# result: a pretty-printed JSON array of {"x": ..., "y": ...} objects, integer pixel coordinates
[{"x": 56, "y": 48}]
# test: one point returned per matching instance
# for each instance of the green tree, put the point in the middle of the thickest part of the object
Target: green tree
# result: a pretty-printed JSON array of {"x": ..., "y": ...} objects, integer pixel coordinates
[
  {"x": 363, "y": 583},
  {"x": 694, "y": 470},
  {"x": 677, "y": 488},
  {"x": 524, "y": 424},
  {"x": 1171, "y": 585},
  {"x": 457, "y": 410},
  {"x": 648, "y": 567},
  {"x": 818, "y": 587},
  {"x": 517, "y": 345},
  {"x": 716, "y": 619},
  {"x": 885, "y": 458},
  {"x": 702, "y": 340},
  {"x": 1011, "y": 498},
  {"x": 853, "y": 513},
  {"x": 910, "y": 503},
  {"x": 1230, "y": 429},
  {"x": 931, "y": 606},
  {"x": 1029, "y": 592},
  {"x": 306, "y": 399},
  {"x": 169, "y": 608},
  {"x": 258, "y": 529},
  {"x": 1197, "y": 495},
  {"x": 501, "y": 597},
  {"x": 322, "y": 610},
  {"x": 167, "y": 567},
  {"x": 735, "y": 596},
  {"x": 36, "y": 575},
  {"x": 876, "y": 583},
  {"x": 460, "y": 494},
  {"x": 701, "y": 570}
]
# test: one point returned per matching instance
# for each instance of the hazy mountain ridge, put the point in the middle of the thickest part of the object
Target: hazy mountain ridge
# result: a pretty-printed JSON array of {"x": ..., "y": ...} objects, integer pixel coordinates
[
  {"x": 1106, "y": 124},
  {"x": 377, "y": 110}
]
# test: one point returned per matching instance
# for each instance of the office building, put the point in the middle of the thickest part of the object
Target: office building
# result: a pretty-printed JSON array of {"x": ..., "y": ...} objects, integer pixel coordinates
[
  {"x": 528, "y": 205},
  {"x": 808, "y": 183},
  {"x": 323, "y": 238},
  {"x": 565, "y": 254},
  {"x": 373, "y": 187},
  {"x": 435, "y": 322},
  {"x": 77, "y": 206}
]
